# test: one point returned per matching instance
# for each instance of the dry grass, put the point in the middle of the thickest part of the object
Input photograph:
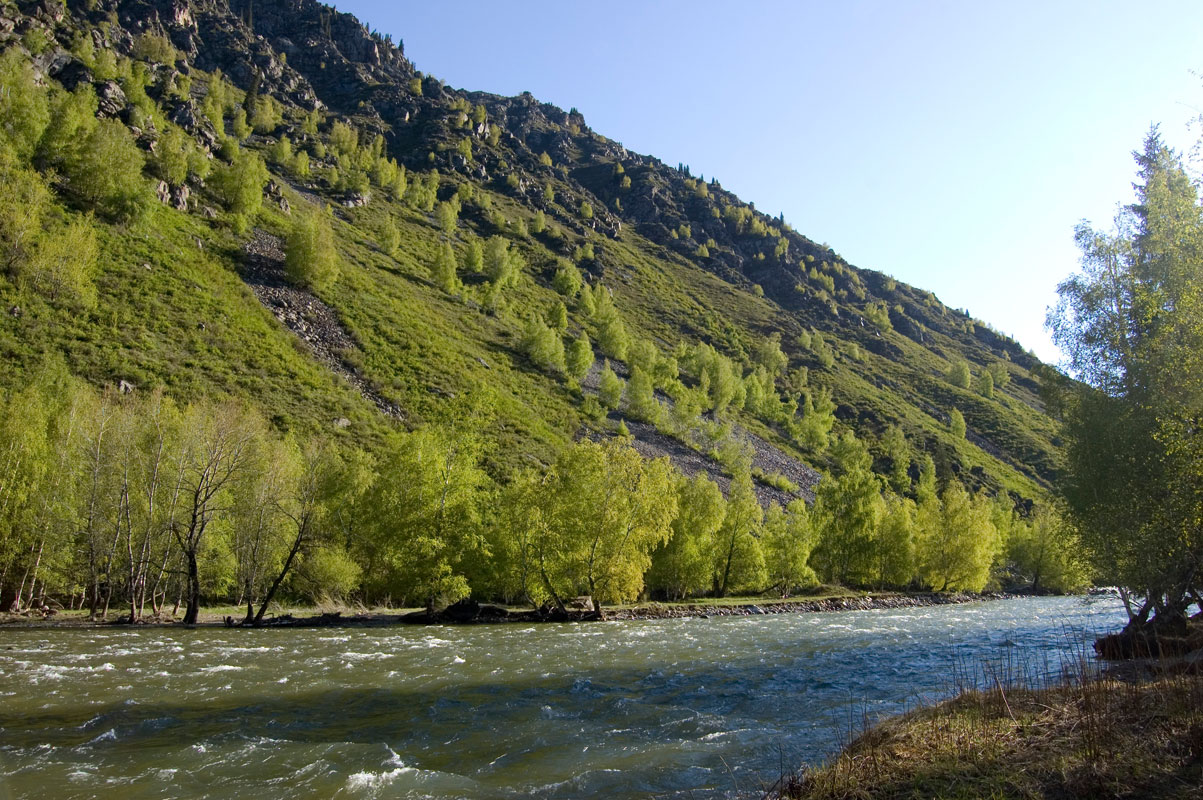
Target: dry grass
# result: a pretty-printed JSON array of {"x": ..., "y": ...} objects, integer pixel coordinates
[{"x": 1086, "y": 738}]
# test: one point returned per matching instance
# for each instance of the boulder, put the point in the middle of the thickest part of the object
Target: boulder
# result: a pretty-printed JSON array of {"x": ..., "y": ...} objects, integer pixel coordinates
[
  {"x": 110, "y": 99},
  {"x": 179, "y": 198}
]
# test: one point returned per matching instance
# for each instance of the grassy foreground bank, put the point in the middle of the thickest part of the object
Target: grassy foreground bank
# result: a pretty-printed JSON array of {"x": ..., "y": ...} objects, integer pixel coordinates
[{"x": 1089, "y": 738}]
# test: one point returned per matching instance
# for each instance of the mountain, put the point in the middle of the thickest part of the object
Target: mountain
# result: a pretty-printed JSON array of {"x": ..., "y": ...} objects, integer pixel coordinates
[{"x": 193, "y": 293}]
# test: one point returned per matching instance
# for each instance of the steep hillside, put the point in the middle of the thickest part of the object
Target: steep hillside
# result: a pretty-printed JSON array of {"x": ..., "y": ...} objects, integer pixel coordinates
[{"x": 193, "y": 293}]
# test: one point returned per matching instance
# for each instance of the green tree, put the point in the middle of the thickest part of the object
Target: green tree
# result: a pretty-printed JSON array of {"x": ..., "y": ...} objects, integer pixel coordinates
[
  {"x": 895, "y": 543},
  {"x": 24, "y": 203},
  {"x": 579, "y": 358},
  {"x": 609, "y": 387},
  {"x": 442, "y": 271},
  {"x": 240, "y": 184},
  {"x": 789, "y": 537},
  {"x": 567, "y": 280},
  {"x": 958, "y": 374},
  {"x": 310, "y": 258},
  {"x": 604, "y": 510},
  {"x": 985, "y": 385},
  {"x": 388, "y": 237},
  {"x": 424, "y": 518},
  {"x": 64, "y": 265},
  {"x": 957, "y": 551},
  {"x": 738, "y": 562},
  {"x": 543, "y": 345},
  {"x": 641, "y": 397},
  {"x": 474, "y": 256},
  {"x": 105, "y": 170},
  {"x": 898, "y": 453},
  {"x": 447, "y": 214},
  {"x": 24, "y": 110},
  {"x": 956, "y": 424},
  {"x": 1131, "y": 326},
  {"x": 848, "y": 511},
  {"x": 1045, "y": 551},
  {"x": 503, "y": 266},
  {"x": 558, "y": 317},
  {"x": 683, "y": 565},
  {"x": 317, "y": 483}
]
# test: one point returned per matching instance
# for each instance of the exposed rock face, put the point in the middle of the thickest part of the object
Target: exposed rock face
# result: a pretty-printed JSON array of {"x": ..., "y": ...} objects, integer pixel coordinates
[{"x": 110, "y": 99}]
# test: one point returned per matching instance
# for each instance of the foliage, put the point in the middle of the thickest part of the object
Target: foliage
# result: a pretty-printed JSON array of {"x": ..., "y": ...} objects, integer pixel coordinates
[
  {"x": 603, "y": 510},
  {"x": 958, "y": 374},
  {"x": 789, "y": 536},
  {"x": 1131, "y": 326},
  {"x": 579, "y": 358},
  {"x": 682, "y": 566},
  {"x": 543, "y": 345},
  {"x": 610, "y": 387},
  {"x": 310, "y": 258},
  {"x": 240, "y": 184},
  {"x": 442, "y": 271},
  {"x": 959, "y": 541},
  {"x": 738, "y": 561}
]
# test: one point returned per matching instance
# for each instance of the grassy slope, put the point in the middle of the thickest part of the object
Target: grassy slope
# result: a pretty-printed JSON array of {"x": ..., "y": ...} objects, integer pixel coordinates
[{"x": 188, "y": 322}]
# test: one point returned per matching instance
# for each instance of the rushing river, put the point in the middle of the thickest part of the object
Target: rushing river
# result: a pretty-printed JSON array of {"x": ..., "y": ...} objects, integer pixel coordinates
[{"x": 691, "y": 708}]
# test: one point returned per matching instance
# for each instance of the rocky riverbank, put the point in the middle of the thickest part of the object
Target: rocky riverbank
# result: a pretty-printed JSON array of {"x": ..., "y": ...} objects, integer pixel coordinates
[{"x": 470, "y": 612}]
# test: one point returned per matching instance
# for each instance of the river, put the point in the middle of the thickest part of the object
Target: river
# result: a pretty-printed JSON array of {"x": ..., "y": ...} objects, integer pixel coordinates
[{"x": 677, "y": 708}]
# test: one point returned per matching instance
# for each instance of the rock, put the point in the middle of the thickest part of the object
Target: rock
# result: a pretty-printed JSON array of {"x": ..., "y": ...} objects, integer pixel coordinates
[
  {"x": 208, "y": 212},
  {"x": 185, "y": 115},
  {"x": 357, "y": 200},
  {"x": 284, "y": 205},
  {"x": 124, "y": 386},
  {"x": 163, "y": 192},
  {"x": 72, "y": 74},
  {"x": 342, "y": 422},
  {"x": 110, "y": 99},
  {"x": 181, "y": 15},
  {"x": 483, "y": 363},
  {"x": 179, "y": 198}
]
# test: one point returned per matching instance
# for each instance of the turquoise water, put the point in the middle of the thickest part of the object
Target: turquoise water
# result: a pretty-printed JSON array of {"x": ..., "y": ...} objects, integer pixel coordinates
[{"x": 674, "y": 708}]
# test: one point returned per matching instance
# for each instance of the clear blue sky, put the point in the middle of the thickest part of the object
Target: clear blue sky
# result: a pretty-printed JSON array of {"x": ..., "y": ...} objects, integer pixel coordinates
[{"x": 953, "y": 145}]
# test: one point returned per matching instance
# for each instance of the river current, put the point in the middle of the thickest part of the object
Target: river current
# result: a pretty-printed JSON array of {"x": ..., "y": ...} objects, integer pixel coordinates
[{"x": 676, "y": 708}]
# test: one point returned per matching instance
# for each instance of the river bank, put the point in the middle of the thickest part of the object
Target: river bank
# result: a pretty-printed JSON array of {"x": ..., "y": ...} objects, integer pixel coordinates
[
  {"x": 1136, "y": 730},
  {"x": 473, "y": 613}
]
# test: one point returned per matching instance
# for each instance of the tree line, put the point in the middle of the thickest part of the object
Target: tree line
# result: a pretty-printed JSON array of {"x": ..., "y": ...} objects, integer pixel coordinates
[{"x": 133, "y": 504}]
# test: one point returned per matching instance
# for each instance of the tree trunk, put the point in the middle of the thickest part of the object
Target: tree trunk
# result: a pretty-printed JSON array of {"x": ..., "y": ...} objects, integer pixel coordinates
[
  {"x": 271, "y": 592},
  {"x": 193, "y": 611}
]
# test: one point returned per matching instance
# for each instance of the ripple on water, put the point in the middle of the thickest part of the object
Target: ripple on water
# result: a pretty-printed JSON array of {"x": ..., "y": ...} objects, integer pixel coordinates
[{"x": 619, "y": 710}]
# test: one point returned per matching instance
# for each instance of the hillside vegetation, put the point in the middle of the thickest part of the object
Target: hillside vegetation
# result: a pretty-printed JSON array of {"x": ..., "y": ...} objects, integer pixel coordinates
[{"x": 264, "y": 218}]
